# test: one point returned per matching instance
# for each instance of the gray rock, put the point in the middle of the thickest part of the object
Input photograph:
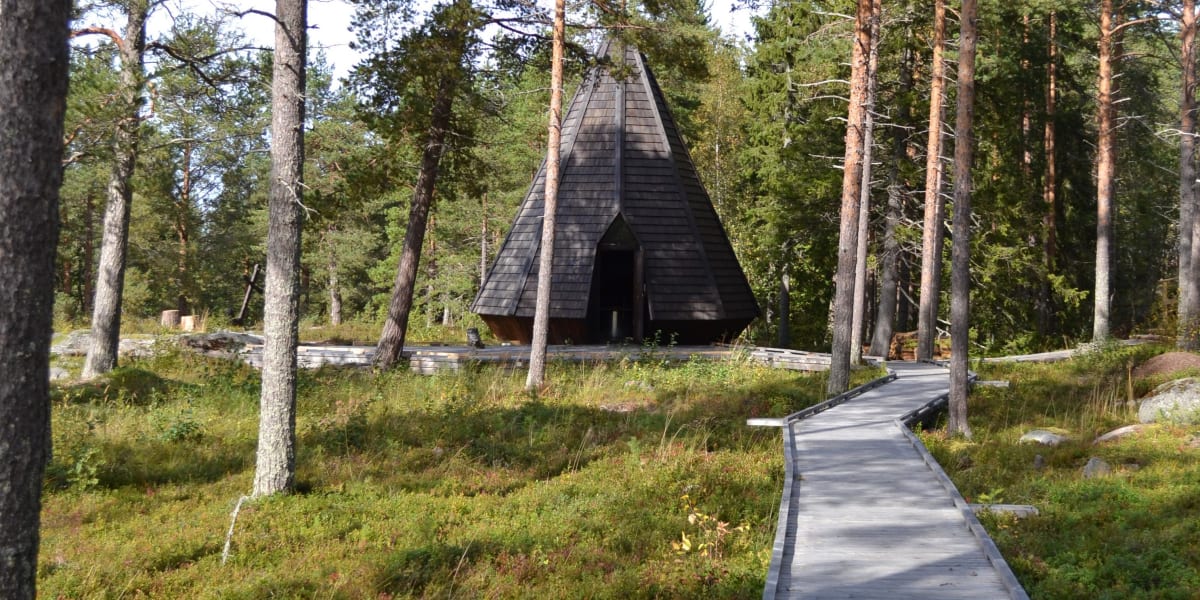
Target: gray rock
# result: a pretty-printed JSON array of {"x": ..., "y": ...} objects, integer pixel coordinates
[
  {"x": 75, "y": 344},
  {"x": 1175, "y": 402},
  {"x": 1118, "y": 433},
  {"x": 57, "y": 373},
  {"x": 1039, "y": 462},
  {"x": 1044, "y": 437},
  {"x": 1096, "y": 467}
]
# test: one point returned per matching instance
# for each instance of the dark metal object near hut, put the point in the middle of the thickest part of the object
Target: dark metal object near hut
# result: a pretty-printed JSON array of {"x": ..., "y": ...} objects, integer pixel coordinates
[{"x": 640, "y": 251}]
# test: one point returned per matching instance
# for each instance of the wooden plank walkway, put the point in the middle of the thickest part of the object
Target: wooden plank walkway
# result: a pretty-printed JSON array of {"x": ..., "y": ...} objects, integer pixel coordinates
[{"x": 866, "y": 511}]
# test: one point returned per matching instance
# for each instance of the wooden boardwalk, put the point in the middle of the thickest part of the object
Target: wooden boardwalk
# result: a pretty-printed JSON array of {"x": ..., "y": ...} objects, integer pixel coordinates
[{"x": 866, "y": 511}]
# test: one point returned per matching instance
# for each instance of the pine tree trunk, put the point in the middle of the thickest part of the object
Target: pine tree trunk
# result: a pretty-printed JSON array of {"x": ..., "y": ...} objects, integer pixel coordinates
[
  {"x": 784, "y": 338},
  {"x": 843, "y": 303},
  {"x": 275, "y": 470},
  {"x": 1189, "y": 337},
  {"x": 931, "y": 233},
  {"x": 960, "y": 267},
  {"x": 1050, "y": 186},
  {"x": 335, "y": 287},
  {"x": 391, "y": 340},
  {"x": 541, "y": 315},
  {"x": 1105, "y": 175},
  {"x": 33, "y": 69},
  {"x": 858, "y": 312},
  {"x": 885, "y": 315},
  {"x": 110, "y": 281}
]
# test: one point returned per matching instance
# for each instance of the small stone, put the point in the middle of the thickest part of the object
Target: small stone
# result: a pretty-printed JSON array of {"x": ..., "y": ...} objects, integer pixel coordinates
[
  {"x": 1193, "y": 442},
  {"x": 1039, "y": 462},
  {"x": 1044, "y": 437},
  {"x": 58, "y": 373},
  {"x": 1096, "y": 467}
]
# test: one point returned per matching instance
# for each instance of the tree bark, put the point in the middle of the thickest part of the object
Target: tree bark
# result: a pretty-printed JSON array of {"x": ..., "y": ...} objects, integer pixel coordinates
[
  {"x": 843, "y": 304},
  {"x": 276, "y": 462},
  {"x": 335, "y": 287},
  {"x": 110, "y": 281},
  {"x": 541, "y": 315},
  {"x": 1189, "y": 337},
  {"x": 858, "y": 312},
  {"x": 33, "y": 90},
  {"x": 784, "y": 337},
  {"x": 885, "y": 314},
  {"x": 1050, "y": 186},
  {"x": 931, "y": 233},
  {"x": 391, "y": 340},
  {"x": 960, "y": 268},
  {"x": 1105, "y": 174}
]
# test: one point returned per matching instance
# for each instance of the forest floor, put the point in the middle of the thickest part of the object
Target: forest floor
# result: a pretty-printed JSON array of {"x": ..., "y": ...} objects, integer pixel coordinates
[
  {"x": 626, "y": 479},
  {"x": 1134, "y": 533}
]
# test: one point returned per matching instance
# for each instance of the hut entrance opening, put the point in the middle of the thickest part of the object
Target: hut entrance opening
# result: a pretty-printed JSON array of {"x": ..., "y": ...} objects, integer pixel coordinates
[{"x": 616, "y": 302}]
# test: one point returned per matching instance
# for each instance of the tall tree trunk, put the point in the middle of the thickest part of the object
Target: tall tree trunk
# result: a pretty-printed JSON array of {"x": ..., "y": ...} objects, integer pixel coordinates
[
  {"x": 110, "y": 282},
  {"x": 931, "y": 233},
  {"x": 275, "y": 470},
  {"x": 391, "y": 341},
  {"x": 483, "y": 242},
  {"x": 181, "y": 229},
  {"x": 541, "y": 315},
  {"x": 843, "y": 303},
  {"x": 1189, "y": 337},
  {"x": 1050, "y": 185},
  {"x": 33, "y": 69},
  {"x": 858, "y": 311},
  {"x": 1105, "y": 174},
  {"x": 335, "y": 286},
  {"x": 885, "y": 314},
  {"x": 960, "y": 268},
  {"x": 784, "y": 337}
]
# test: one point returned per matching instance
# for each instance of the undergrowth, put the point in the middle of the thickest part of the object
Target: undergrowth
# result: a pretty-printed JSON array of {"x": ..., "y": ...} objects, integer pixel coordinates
[
  {"x": 1132, "y": 534},
  {"x": 456, "y": 485}
]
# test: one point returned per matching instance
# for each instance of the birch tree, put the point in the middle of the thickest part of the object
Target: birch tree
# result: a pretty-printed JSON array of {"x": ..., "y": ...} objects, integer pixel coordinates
[{"x": 33, "y": 91}]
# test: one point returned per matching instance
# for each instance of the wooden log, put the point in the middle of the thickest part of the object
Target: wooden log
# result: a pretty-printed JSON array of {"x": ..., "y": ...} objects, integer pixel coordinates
[
  {"x": 187, "y": 322},
  {"x": 170, "y": 319}
]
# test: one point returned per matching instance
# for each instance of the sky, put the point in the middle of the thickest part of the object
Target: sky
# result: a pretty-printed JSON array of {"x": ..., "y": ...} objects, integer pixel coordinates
[{"x": 329, "y": 21}]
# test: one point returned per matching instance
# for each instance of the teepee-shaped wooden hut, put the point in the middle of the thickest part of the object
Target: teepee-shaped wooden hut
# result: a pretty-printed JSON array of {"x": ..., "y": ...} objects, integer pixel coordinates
[{"x": 639, "y": 250}]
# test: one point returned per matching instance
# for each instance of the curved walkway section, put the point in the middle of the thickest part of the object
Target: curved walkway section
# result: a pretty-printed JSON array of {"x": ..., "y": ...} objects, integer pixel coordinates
[{"x": 867, "y": 513}]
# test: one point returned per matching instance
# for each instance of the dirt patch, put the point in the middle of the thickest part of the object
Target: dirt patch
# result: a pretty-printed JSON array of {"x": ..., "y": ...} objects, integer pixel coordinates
[{"x": 1169, "y": 362}]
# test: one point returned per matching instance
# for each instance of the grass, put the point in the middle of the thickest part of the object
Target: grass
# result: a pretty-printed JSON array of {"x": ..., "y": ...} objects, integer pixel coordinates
[
  {"x": 1133, "y": 534},
  {"x": 627, "y": 479}
]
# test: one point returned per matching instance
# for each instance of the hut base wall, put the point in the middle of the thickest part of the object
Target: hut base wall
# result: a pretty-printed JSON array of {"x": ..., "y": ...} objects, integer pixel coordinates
[{"x": 519, "y": 330}]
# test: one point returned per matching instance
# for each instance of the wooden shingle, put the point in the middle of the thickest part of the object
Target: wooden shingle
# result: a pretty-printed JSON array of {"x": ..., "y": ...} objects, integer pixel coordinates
[{"x": 623, "y": 165}]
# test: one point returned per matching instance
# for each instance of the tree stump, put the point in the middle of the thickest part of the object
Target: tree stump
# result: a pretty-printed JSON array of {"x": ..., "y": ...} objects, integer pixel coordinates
[
  {"x": 170, "y": 319},
  {"x": 187, "y": 323}
]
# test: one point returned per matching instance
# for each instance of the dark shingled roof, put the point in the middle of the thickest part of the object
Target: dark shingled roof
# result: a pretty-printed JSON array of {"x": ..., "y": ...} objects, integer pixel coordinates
[{"x": 622, "y": 155}]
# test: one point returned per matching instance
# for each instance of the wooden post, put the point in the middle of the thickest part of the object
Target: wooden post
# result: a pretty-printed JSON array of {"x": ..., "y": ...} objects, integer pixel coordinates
[
  {"x": 250, "y": 287},
  {"x": 639, "y": 295}
]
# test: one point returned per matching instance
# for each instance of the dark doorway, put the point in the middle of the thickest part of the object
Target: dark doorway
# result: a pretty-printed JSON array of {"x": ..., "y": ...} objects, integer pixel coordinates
[{"x": 615, "y": 303}]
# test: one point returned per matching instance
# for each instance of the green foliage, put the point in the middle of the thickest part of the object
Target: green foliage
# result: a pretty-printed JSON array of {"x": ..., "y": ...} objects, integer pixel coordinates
[
  {"x": 1130, "y": 534},
  {"x": 451, "y": 485}
]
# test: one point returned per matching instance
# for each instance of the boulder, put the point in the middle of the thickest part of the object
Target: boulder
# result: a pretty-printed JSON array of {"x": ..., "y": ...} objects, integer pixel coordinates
[
  {"x": 1175, "y": 402},
  {"x": 1119, "y": 432},
  {"x": 57, "y": 373},
  {"x": 75, "y": 344},
  {"x": 1044, "y": 437},
  {"x": 1096, "y": 467}
]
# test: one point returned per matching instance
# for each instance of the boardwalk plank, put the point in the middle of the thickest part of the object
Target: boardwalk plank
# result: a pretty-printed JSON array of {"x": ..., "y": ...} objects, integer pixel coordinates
[{"x": 867, "y": 515}]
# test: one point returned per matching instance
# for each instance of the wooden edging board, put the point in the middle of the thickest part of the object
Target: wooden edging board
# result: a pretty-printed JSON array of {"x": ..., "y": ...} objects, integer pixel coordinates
[{"x": 789, "y": 453}]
